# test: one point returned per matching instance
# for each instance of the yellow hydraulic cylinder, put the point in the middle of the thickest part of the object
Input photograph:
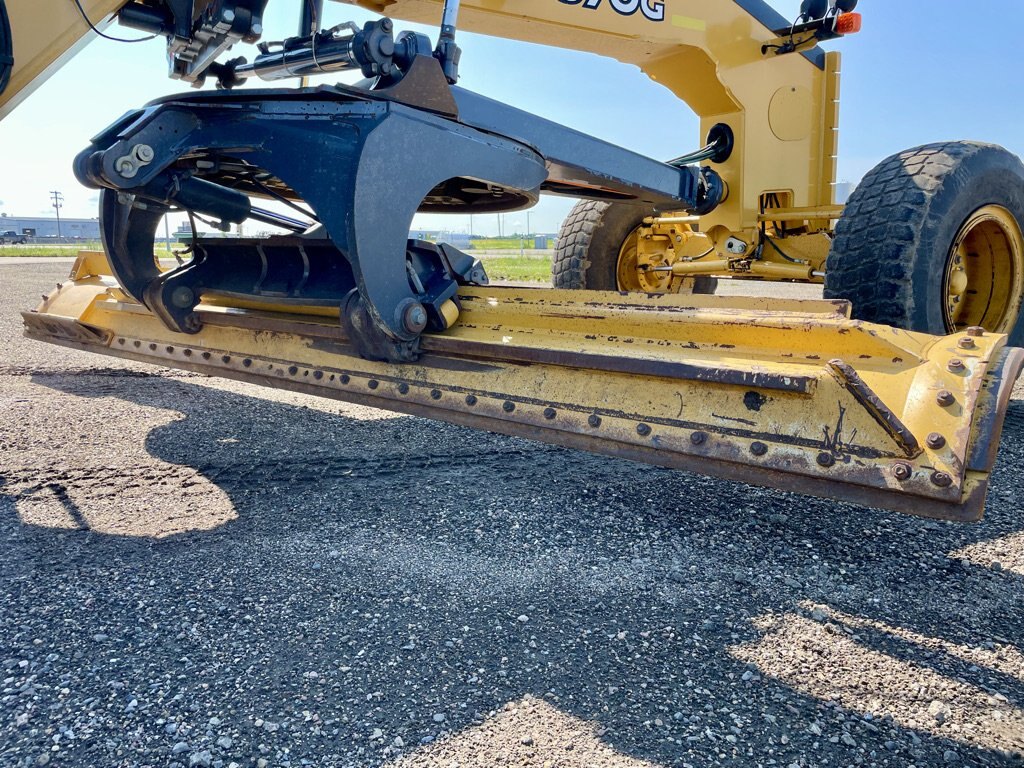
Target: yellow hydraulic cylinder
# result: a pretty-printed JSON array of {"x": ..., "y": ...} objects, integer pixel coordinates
[{"x": 776, "y": 271}]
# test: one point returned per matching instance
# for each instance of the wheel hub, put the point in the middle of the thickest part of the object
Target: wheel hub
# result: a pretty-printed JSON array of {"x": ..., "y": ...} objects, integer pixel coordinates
[{"x": 984, "y": 272}]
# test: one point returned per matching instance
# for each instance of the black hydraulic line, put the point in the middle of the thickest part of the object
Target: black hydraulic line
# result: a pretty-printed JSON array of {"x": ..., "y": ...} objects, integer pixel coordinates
[
  {"x": 721, "y": 140},
  {"x": 312, "y": 17},
  {"x": 104, "y": 35},
  {"x": 6, "y": 48},
  {"x": 699, "y": 156}
]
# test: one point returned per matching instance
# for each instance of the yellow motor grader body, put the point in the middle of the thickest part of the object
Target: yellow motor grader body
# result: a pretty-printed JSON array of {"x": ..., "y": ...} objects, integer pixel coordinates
[
  {"x": 789, "y": 394},
  {"x": 783, "y": 110}
]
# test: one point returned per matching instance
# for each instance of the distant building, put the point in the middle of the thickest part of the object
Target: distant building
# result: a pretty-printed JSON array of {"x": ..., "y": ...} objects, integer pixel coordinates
[
  {"x": 843, "y": 191},
  {"x": 457, "y": 239},
  {"x": 46, "y": 228}
]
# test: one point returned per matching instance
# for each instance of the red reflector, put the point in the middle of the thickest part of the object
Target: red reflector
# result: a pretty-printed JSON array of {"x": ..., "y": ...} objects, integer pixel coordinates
[{"x": 848, "y": 23}]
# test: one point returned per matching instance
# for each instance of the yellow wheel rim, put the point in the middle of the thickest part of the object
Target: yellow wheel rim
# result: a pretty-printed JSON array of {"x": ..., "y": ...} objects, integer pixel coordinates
[
  {"x": 632, "y": 276},
  {"x": 985, "y": 272}
]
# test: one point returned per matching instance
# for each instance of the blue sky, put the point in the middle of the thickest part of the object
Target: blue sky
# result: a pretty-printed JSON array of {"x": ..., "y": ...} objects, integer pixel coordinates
[{"x": 920, "y": 71}]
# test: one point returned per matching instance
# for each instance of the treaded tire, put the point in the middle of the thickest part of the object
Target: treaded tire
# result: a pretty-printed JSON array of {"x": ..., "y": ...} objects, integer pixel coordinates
[
  {"x": 589, "y": 242},
  {"x": 895, "y": 236}
]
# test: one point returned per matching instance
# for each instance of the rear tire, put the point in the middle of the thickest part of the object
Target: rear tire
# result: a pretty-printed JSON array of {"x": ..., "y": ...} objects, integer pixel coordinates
[
  {"x": 931, "y": 240},
  {"x": 590, "y": 244}
]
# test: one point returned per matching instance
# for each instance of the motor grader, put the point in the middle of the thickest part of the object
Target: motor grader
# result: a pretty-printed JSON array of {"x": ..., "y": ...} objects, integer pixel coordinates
[{"x": 891, "y": 391}]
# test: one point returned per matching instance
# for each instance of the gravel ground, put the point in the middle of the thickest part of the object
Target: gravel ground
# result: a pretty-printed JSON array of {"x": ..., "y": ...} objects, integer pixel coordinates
[{"x": 204, "y": 573}]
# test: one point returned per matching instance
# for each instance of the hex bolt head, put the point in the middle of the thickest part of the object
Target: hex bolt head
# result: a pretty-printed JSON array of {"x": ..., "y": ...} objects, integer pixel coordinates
[
  {"x": 826, "y": 460},
  {"x": 941, "y": 479},
  {"x": 901, "y": 471},
  {"x": 594, "y": 420},
  {"x": 435, "y": 394},
  {"x": 403, "y": 388},
  {"x": 183, "y": 297},
  {"x": 699, "y": 438},
  {"x": 945, "y": 398},
  {"x": 508, "y": 406},
  {"x": 966, "y": 343},
  {"x": 935, "y": 441},
  {"x": 292, "y": 370},
  {"x": 976, "y": 330},
  {"x": 550, "y": 413},
  {"x": 956, "y": 365},
  {"x": 643, "y": 430},
  {"x": 373, "y": 383},
  {"x": 471, "y": 400},
  {"x": 415, "y": 318},
  {"x": 758, "y": 449}
]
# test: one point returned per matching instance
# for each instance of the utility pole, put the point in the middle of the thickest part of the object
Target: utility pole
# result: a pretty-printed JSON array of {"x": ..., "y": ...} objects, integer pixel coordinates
[{"x": 58, "y": 203}]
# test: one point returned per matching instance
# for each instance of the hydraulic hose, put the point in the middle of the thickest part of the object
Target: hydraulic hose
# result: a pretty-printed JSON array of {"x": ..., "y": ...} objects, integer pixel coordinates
[{"x": 6, "y": 48}]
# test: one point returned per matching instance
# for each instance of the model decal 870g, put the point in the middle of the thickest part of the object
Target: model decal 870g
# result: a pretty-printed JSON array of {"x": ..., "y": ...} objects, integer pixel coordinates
[{"x": 652, "y": 9}]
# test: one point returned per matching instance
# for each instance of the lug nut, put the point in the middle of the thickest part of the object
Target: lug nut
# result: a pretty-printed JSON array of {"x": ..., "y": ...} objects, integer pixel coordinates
[
  {"x": 955, "y": 365},
  {"x": 902, "y": 471},
  {"x": 699, "y": 438},
  {"x": 758, "y": 449},
  {"x": 976, "y": 330},
  {"x": 966, "y": 343},
  {"x": 935, "y": 441},
  {"x": 941, "y": 479},
  {"x": 945, "y": 398}
]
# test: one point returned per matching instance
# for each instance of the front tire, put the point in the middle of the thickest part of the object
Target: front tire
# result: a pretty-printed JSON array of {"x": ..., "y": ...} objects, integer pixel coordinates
[
  {"x": 594, "y": 252},
  {"x": 931, "y": 240}
]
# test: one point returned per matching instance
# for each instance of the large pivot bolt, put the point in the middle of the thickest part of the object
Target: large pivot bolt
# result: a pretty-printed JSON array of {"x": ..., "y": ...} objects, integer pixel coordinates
[
  {"x": 183, "y": 298},
  {"x": 127, "y": 166},
  {"x": 414, "y": 317}
]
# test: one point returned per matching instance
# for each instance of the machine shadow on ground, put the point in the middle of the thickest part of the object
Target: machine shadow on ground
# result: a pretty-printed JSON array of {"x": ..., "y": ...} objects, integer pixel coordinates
[{"x": 415, "y": 568}]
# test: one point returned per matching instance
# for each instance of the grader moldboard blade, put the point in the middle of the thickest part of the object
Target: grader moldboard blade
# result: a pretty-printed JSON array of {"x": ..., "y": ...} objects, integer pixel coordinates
[{"x": 785, "y": 394}]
